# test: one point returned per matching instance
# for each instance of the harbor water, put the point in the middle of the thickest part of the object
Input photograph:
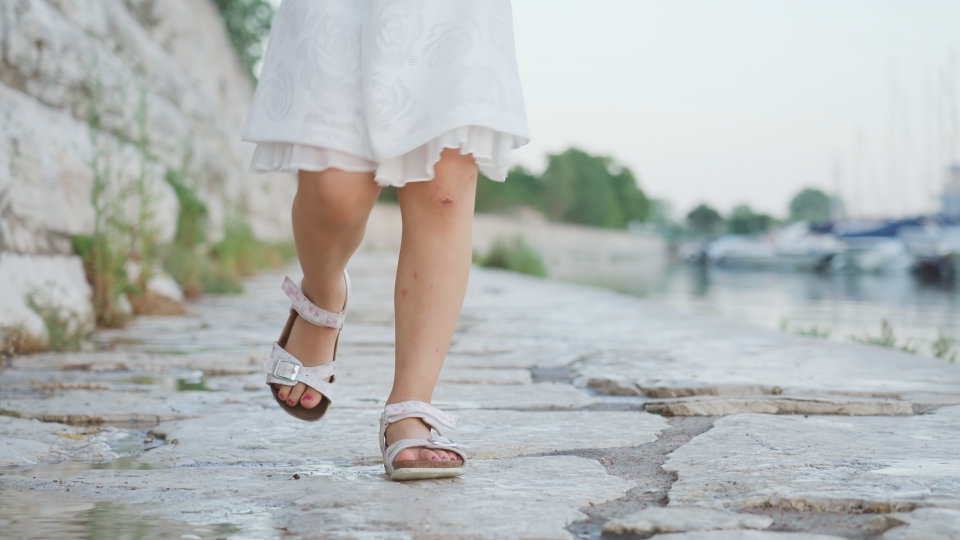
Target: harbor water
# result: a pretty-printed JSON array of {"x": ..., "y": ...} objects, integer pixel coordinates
[{"x": 840, "y": 307}]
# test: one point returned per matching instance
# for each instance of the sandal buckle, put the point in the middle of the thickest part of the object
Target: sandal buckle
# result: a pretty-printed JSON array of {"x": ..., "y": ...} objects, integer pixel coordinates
[
  {"x": 442, "y": 441},
  {"x": 288, "y": 373}
]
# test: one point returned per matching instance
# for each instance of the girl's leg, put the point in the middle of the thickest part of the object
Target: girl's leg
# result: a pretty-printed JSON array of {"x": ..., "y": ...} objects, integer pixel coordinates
[
  {"x": 330, "y": 215},
  {"x": 435, "y": 256}
]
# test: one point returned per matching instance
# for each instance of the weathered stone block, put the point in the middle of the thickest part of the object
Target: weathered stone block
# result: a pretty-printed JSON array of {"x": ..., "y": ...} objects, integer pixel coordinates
[
  {"x": 820, "y": 463},
  {"x": 57, "y": 280},
  {"x": 723, "y": 406},
  {"x": 672, "y": 519}
]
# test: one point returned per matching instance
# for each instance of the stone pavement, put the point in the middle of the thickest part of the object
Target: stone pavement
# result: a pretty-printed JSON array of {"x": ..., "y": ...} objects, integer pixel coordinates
[{"x": 587, "y": 413}]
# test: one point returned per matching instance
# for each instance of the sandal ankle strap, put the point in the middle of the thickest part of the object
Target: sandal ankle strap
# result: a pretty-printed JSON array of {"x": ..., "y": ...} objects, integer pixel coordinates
[
  {"x": 430, "y": 415},
  {"x": 311, "y": 312}
]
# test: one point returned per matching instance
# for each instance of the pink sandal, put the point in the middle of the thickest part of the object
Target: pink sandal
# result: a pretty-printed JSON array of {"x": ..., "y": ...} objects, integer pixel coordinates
[
  {"x": 283, "y": 368},
  {"x": 420, "y": 469}
]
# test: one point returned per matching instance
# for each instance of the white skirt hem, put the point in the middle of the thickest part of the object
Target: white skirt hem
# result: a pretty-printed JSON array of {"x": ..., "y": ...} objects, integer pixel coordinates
[{"x": 490, "y": 148}]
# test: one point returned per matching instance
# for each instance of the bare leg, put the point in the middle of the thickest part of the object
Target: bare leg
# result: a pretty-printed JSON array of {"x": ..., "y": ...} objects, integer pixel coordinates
[
  {"x": 330, "y": 215},
  {"x": 435, "y": 254}
]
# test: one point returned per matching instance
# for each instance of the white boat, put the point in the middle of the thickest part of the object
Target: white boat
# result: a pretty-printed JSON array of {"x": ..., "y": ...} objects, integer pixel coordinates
[
  {"x": 794, "y": 247},
  {"x": 935, "y": 250}
]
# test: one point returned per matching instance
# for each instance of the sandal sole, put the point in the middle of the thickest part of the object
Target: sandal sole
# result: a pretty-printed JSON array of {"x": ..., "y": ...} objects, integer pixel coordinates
[{"x": 401, "y": 475}]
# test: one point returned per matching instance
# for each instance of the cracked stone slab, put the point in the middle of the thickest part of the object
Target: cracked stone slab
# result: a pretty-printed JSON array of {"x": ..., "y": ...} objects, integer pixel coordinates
[
  {"x": 350, "y": 435},
  {"x": 547, "y": 395},
  {"x": 655, "y": 519},
  {"x": 925, "y": 524},
  {"x": 723, "y": 406},
  {"x": 744, "y": 535},
  {"x": 355, "y": 373},
  {"x": 28, "y": 443},
  {"x": 532, "y": 497},
  {"x": 721, "y": 358},
  {"x": 92, "y": 407},
  {"x": 210, "y": 362},
  {"x": 822, "y": 463}
]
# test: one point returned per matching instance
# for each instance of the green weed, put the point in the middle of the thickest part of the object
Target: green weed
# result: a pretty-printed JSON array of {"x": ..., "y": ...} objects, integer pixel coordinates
[
  {"x": 942, "y": 348},
  {"x": 242, "y": 254},
  {"x": 13, "y": 414},
  {"x": 65, "y": 329},
  {"x": 515, "y": 255},
  {"x": 812, "y": 331},
  {"x": 144, "y": 234},
  {"x": 886, "y": 339},
  {"x": 16, "y": 340},
  {"x": 201, "y": 268}
]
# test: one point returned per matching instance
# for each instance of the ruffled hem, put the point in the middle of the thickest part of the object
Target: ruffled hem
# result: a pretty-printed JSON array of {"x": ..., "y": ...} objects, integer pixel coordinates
[
  {"x": 291, "y": 158},
  {"x": 489, "y": 147}
]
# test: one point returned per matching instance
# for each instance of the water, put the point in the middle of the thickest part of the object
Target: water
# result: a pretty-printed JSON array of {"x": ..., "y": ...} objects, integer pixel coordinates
[
  {"x": 30, "y": 515},
  {"x": 843, "y": 306}
]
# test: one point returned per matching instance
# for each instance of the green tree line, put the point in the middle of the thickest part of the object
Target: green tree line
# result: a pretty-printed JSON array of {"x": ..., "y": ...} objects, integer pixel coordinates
[
  {"x": 809, "y": 204},
  {"x": 575, "y": 187}
]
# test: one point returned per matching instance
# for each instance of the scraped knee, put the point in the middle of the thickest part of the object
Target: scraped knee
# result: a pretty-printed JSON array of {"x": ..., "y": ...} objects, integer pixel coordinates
[{"x": 446, "y": 200}]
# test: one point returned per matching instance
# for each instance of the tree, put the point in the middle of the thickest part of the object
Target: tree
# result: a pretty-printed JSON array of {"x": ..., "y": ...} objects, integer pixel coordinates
[
  {"x": 576, "y": 187},
  {"x": 592, "y": 190},
  {"x": 634, "y": 203},
  {"x": 743, "y": 220},
  {"x": 522, "y": 188},
  {"x": 704, "y": 220},
  {"x": 810, "y": 205}
]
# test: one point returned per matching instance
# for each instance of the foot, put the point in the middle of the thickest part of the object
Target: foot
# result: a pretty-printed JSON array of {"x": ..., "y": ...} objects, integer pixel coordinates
[
  {"x": 414, "y": 428},
  {"x": 312, "y": 345}
]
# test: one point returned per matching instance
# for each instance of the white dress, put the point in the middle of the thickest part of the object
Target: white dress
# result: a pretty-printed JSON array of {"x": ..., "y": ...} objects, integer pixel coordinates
[{"x": 386, "y": 85}]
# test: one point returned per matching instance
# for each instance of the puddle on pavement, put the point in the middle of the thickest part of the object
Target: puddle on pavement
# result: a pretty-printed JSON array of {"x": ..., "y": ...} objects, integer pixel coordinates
[
  {"x": 342, "y": 469},
  {"x": 136, "y": 442},
  {"x": 42, "y": 515},
  {"x": 129, "y": 444}
]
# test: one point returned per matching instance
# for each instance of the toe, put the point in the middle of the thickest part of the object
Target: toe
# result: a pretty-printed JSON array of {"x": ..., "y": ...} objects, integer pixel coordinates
[
  {"x": 310, "y": 399},
  {"x": 428, "y": 455},
  {"x": 282, "y": 391},
  {"x": 295, "y": 393},
  {"x": 406, "y": 455}
]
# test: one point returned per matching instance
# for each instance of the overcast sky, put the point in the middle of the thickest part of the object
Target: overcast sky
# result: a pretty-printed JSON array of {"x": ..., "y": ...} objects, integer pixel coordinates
[{"x": 730, "y": 101}]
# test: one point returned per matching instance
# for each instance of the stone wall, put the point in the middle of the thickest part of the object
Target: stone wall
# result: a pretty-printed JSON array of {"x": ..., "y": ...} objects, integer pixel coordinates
[{"x": 161, "y": 67}]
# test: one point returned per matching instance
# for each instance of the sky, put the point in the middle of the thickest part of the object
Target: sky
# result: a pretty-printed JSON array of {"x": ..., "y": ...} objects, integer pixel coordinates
[{"x": 749, "y": 101}]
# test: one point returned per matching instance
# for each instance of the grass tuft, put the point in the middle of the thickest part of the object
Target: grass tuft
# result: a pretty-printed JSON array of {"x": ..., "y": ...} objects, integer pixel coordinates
[
  {"x": 13, "y": 414},
  {"x": 887, "y": 339},
  {"x": 217, "y": 269},
  {"x": 514, "y": 255},
  {"x": 812, "y": 331},
  {"x": 65, "y": 329},
  {"x": 16, "y": 340},
  {"x": 942, "y": 348}
]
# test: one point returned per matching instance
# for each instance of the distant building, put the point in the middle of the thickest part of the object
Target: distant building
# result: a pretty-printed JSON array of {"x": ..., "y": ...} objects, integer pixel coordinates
[{"x": 951, "y": 193}]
